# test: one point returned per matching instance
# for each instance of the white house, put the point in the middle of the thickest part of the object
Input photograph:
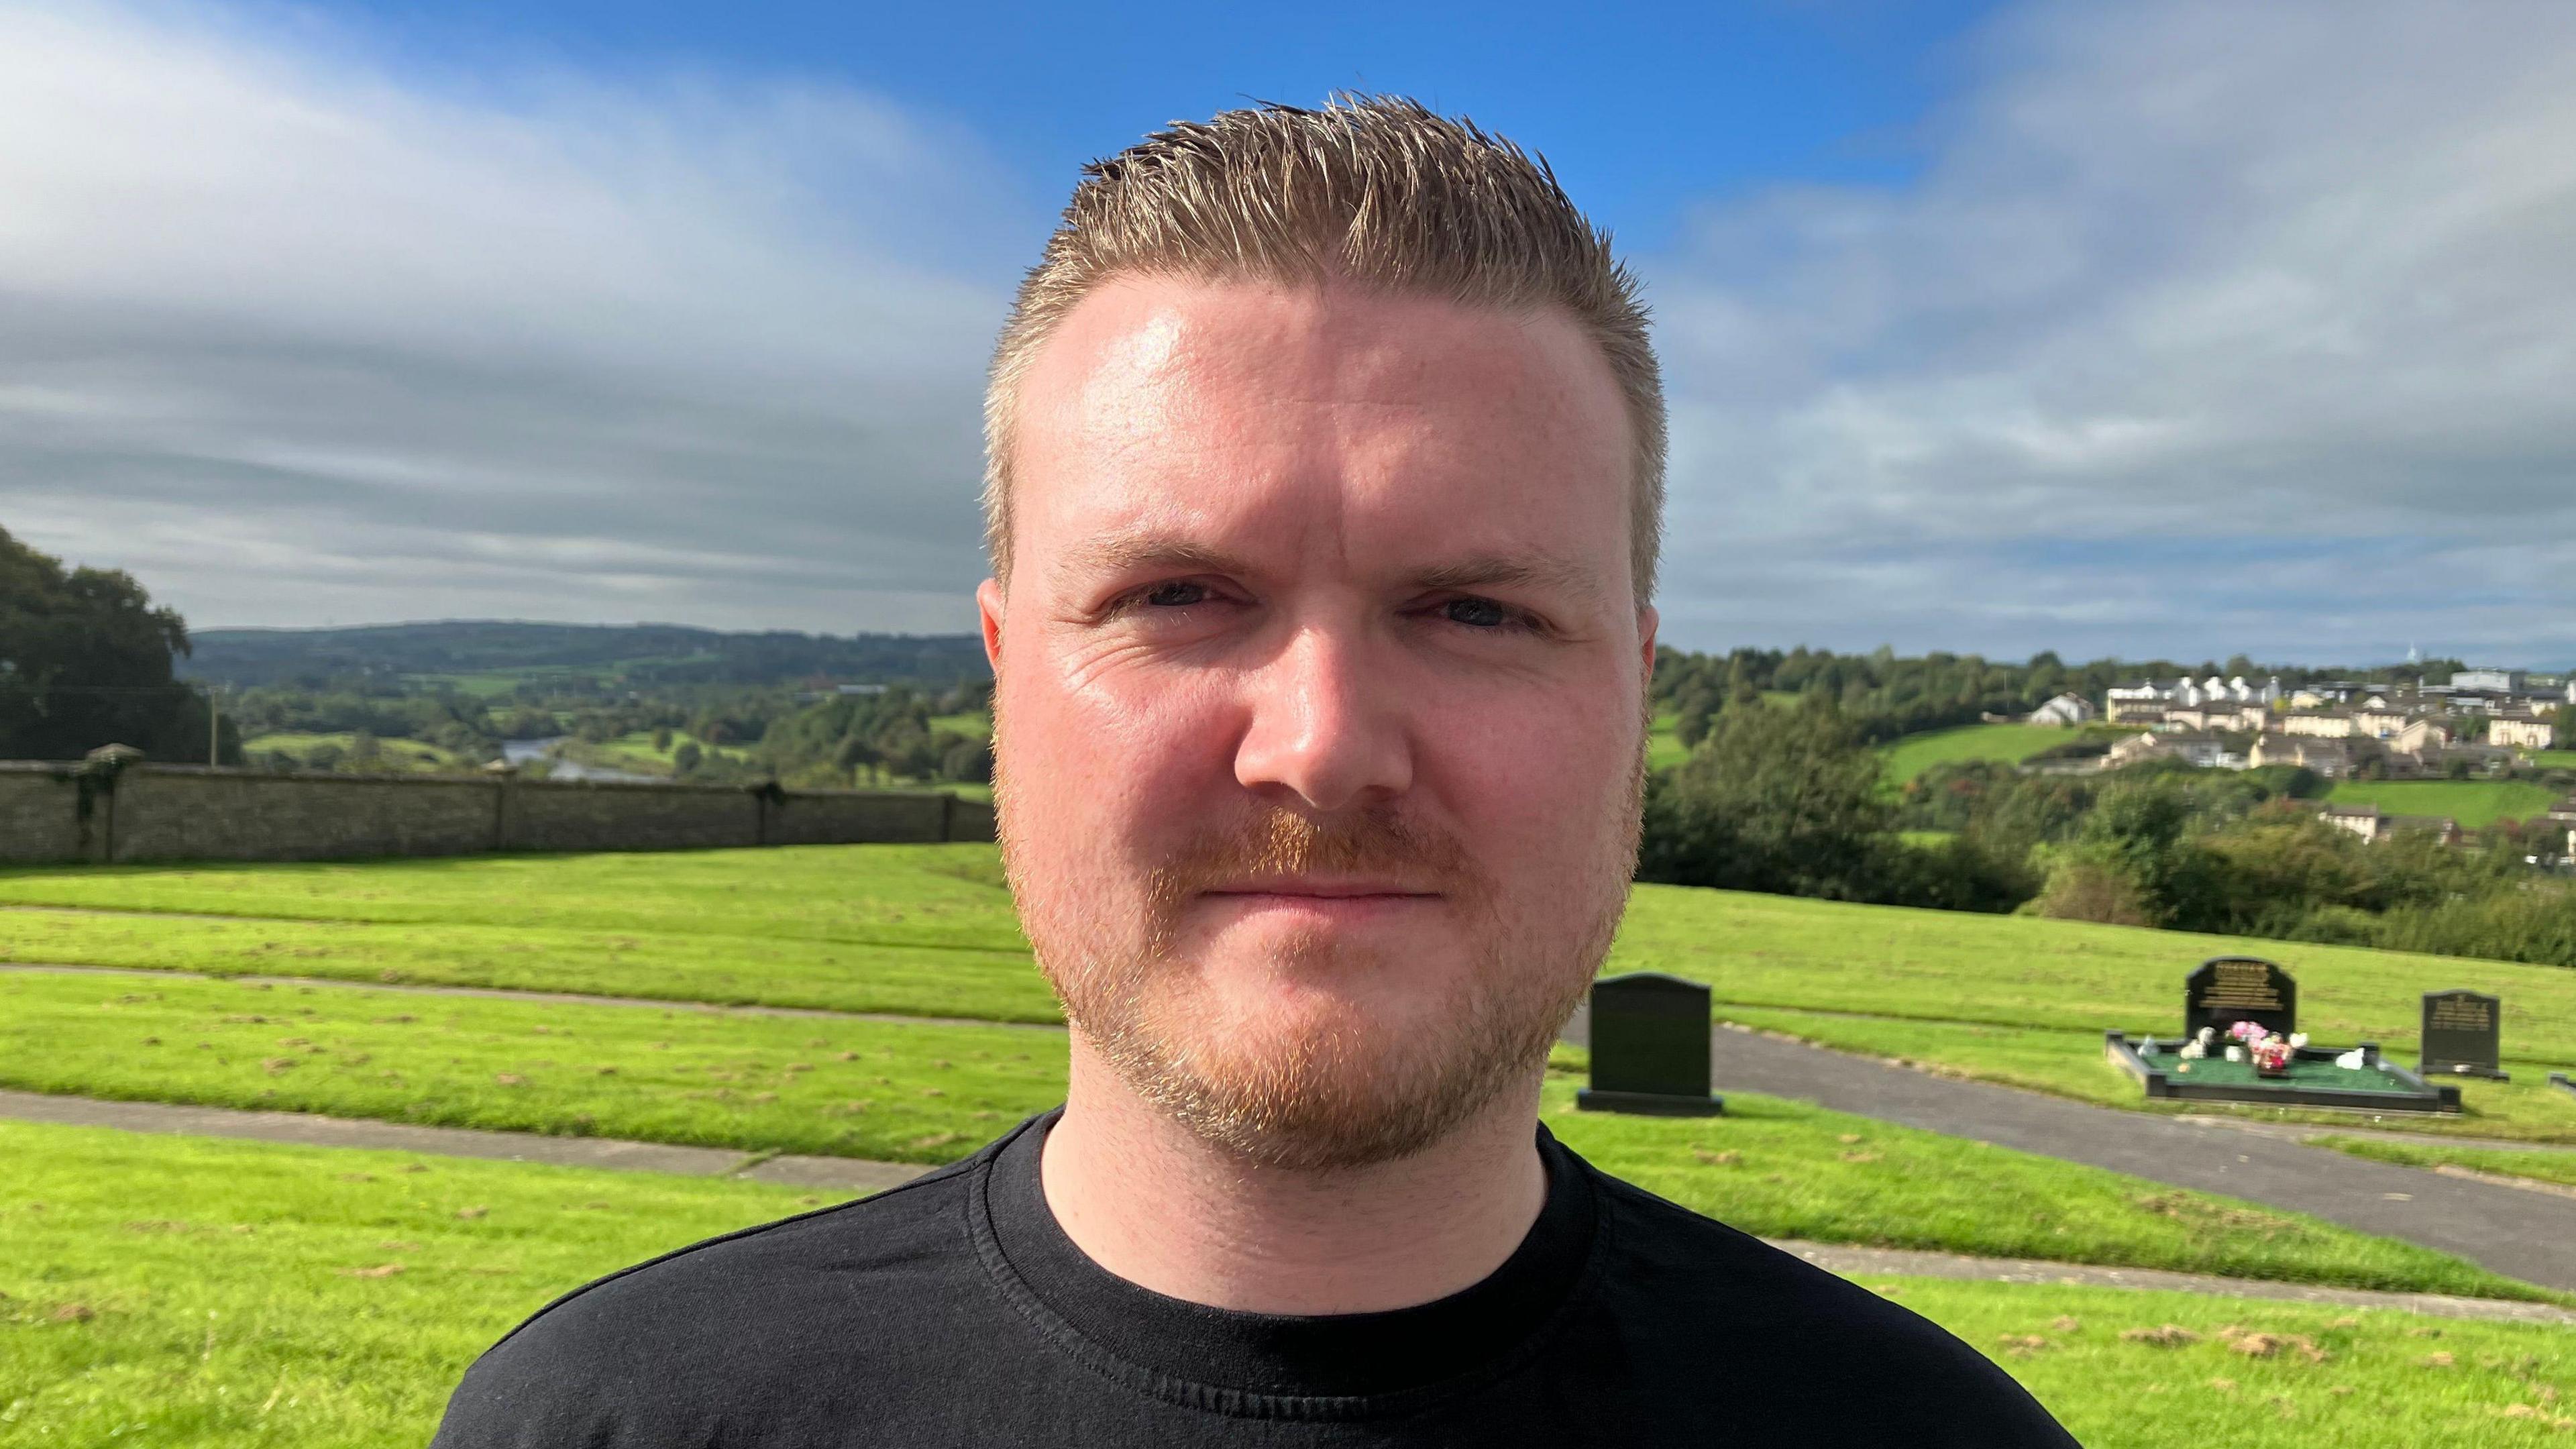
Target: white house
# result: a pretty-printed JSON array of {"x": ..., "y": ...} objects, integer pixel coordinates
[
  {"x": 2066, "y": 709},
  {"x": 2521, "y": 732}
]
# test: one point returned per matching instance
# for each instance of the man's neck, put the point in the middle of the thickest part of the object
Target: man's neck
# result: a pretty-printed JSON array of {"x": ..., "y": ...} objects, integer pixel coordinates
[{"x": 1151, "y": 1202}]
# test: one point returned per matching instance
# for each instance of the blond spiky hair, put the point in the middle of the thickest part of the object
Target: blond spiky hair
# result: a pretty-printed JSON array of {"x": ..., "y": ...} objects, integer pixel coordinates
[{"x": 1372, "y": 189}]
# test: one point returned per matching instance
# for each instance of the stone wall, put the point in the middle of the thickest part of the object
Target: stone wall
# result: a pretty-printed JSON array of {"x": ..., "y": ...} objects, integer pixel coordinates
[{"x": 63, "y": 812}]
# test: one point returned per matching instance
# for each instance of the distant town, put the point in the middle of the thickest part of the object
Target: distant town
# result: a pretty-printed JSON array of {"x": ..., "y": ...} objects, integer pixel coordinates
[{"x": 2481, "y": 723}]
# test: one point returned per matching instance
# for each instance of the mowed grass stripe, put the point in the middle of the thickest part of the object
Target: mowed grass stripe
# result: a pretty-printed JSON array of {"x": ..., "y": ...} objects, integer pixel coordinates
[
  {"x": 899, "y": 1093},
  {"x": 679, "y": 966},
  {"x": 882, "y": 895},
  {"x": 933, "y": 1093},
  {"x": 330, "y": 1298},
  {"x": 2021, "y": 971},
  {"x": 665, "y": 926}
]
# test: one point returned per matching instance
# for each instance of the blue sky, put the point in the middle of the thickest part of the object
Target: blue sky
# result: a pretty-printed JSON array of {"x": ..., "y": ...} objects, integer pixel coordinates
[
  {"x": 2168, "y": 328},
  {"x": 1724, "y": 96}
]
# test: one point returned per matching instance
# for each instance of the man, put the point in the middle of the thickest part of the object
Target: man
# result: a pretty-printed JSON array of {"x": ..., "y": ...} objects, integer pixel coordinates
[{"x": 1326, "y": 470}]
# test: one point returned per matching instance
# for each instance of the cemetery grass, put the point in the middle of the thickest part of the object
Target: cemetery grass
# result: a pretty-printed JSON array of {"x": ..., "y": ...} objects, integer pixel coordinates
[
  {"x": 2125, "y": 1369},
  {"x": 673, "y": 966},
  {"x": 2558, "y": 1168},
  {"x": 919, "y": 895},
  {"x": 1785, "y": 952},
  {"x": 931, "y": 1094},
  {"x": 902, "y": 1092},
  {"x": 2069, "y": 1063},
  {"x": 192, "y": 1291},
  {"x": 2473, "y": 803},
  {"x": 261, "y": 1311},
  {"x": 767, "y": 926}
]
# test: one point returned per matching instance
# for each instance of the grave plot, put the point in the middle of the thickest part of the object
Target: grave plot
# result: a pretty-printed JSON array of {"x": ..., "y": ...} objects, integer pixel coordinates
[{"x": 2240, "y": 1043}]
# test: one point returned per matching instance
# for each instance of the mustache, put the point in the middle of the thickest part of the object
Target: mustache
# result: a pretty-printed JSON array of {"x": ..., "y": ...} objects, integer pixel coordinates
[{"x": 1276, "y": 841}]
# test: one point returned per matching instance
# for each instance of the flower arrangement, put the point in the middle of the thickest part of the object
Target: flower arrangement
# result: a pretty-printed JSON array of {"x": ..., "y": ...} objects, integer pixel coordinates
[{"x": 2269, "y": 1051}]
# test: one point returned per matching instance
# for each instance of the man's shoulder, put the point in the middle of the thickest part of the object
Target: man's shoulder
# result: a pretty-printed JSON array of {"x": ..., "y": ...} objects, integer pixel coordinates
[
  {"x": 712, "y": 1323},
  {"x": 1708, "y": 1294}
]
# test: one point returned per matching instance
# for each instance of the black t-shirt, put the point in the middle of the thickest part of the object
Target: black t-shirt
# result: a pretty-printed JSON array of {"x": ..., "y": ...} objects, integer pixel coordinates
[{"x": 954, "y": 1311}]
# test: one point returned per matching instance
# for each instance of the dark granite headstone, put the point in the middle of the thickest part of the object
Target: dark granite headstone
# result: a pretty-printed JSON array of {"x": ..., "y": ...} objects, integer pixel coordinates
[
  {"x": 2461, "y": 1032},
  {"x": 1649, "y": 1041},
  {"x": 2229, "y": 989}
]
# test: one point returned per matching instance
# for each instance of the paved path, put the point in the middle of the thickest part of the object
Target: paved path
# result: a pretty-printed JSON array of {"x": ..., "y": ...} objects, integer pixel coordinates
[
  {"x": 859, "y": 1176},
  {"x": 2523, "y": 1234},
  {"x": 505, "y": 993}
]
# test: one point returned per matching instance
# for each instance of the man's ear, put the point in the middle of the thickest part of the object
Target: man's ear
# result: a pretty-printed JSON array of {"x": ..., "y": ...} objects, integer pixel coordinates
[
  {"x": 988, "y": 608},
  {"x": 1647, "y": 619}
]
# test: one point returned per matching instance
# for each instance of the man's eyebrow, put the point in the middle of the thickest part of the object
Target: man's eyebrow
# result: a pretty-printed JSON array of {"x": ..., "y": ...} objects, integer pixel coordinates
[
  {"x": 1531, "y": 569},
  {"x": 1120, "y": 553}
]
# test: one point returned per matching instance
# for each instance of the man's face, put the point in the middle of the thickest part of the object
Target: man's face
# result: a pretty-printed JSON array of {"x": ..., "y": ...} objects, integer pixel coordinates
[{"x": 1320, "y": 700}]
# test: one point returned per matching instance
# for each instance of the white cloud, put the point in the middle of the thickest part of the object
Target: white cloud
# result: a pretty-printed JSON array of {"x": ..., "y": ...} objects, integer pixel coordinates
[
  {"x": 297, "y": 340},
  {"x": 2206, "y": 327}
]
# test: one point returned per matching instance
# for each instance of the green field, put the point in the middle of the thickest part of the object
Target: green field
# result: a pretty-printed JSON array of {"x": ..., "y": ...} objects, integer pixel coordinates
[
  {"x": 2024, "y": 971},
  {"x": 903, "y": 1092},
  {"x": 928, "y": 930},
  {"x": 925, "y": 1093},
  {"x": 392, "y": 755},
  {"x": 2555, "y": 759},
  {"x": 2473, "y": 803},
  {"x": 2010, "y": 743},
  {"x": 329, "y": 1298},
  {"x": 305, "y": 1349}
]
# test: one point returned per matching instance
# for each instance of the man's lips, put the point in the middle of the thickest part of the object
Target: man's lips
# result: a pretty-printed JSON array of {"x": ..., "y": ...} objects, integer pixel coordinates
[{"x": 1313, "y": 889}]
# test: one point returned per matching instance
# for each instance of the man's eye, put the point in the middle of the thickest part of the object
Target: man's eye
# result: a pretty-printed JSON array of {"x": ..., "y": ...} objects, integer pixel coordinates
[
  {"x": 1478, "y": 613},
  {"x": 1176, "y": 595}
]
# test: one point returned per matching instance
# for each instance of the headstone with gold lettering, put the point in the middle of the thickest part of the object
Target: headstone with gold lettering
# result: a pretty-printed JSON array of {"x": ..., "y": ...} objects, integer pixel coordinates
[
  {"x": 2229, "y": 989},
  {"x": 2462, "y": 1030}
]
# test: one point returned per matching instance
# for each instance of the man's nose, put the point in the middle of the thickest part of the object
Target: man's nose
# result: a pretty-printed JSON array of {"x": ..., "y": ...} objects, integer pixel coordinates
[{"x": 1324, "y": 725}]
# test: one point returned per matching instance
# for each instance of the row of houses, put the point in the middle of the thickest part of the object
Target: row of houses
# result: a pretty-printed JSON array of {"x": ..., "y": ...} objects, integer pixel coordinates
[{"x": 2332, "y": 728}]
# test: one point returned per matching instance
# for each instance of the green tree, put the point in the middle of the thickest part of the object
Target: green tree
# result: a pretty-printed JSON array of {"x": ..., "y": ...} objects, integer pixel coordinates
[
  {"x": 1776, "y": 800},
  {"x": 86, "y": 660}
]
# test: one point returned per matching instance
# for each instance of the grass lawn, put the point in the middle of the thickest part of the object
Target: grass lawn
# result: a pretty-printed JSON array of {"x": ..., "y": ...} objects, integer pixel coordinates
[
  {"x": 189, "y": 1291},
  {"x": 2130, "y": 1370},
  {"x": 2013, "y": 743},
  {"x": 2070, "y": 1064},
  {"x": 923, "y": 1093},
  {"x": 675, "y": 966},
  {"x": 2474, "y": 803},
  {"x": 906, "y": 1092},
  {"x": 885, "y": 895},
  {"x": 259, "y": 1309},
  {"x": 2557, "y": 1167},
  {"x": 974, "y": 723},
  {"x": 2021, "y": 971},
  {"x": 2555, "y": 759}
]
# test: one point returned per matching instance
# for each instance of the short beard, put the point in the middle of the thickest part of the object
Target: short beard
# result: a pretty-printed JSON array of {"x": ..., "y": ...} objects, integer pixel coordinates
[{"x": 1346, "y": 1093}]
